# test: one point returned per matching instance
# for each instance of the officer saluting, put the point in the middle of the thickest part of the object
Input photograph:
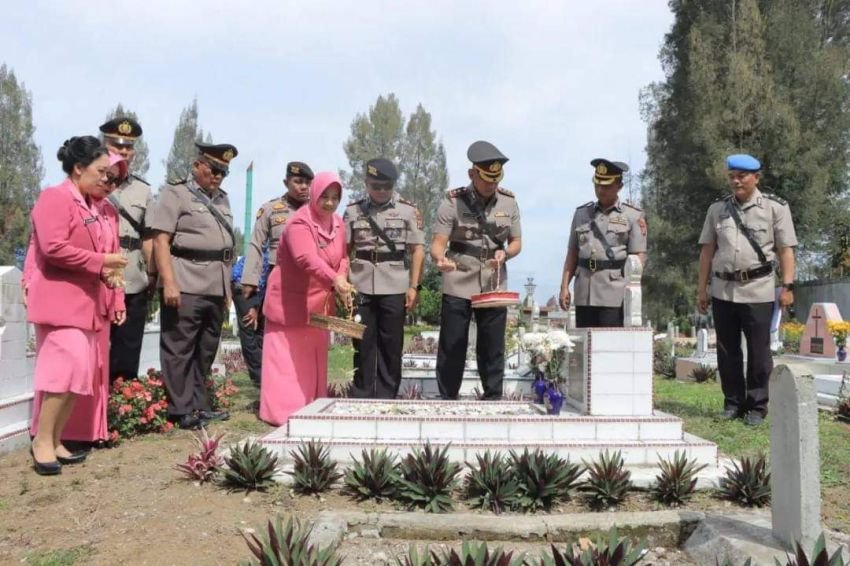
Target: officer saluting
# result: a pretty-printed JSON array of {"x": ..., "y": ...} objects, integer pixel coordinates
[
  {"x": 743, "y": 236},
  {"x": 602, "y": 235},
  {"x": 384, "y": 233},
  {"x": 477, "y": 229},
  {"x": 133, "y": 201},
  {"x": 193, "y": 245},
  {"x": 271, "y": 218}
]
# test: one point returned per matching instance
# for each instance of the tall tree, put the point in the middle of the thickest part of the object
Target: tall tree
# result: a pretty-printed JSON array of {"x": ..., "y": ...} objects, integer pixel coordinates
[
  {"x": 424, "y": 164},
  {"x": 755, "y": 76},
  {"x": 379, "y": 133},
  {"x": 141, "y": 162},
  {"x": 21, "y": 168},
  {"x": 183, "y": 152}
]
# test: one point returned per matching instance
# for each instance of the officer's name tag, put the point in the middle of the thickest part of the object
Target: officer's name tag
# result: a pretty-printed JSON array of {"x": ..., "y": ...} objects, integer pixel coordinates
[
  {"x": 89, "y": 220},
  {"x": 361, "y": 223},
  {"x": 501, "y": 215}
]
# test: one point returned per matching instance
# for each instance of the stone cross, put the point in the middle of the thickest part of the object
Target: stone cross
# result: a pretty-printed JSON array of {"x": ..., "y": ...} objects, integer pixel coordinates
[
  {"x": 702, "y": 342},
  {"x": 794, "y": 461},
  {"x": 816, "y": 340},
  {"x": 632, "y": 308}
]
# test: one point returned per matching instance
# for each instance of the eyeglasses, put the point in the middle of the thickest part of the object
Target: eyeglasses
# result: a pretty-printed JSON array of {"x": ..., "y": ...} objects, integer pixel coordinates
[
  {"x": 113, "y": 180},
  {"x": 215, "y": 171},
  {"x": 379, "y": 186}
]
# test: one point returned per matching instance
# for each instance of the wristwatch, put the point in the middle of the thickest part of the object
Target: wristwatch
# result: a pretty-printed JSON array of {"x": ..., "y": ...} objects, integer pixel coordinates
[
  {"x": 417, "y": 287},
  {"x": 788, "y": 286}
]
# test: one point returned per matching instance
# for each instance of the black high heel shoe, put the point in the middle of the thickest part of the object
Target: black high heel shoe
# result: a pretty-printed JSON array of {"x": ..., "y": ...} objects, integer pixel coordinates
[
  {"x": 74, "y": 458},
  {"x": 45, "y": 468}
]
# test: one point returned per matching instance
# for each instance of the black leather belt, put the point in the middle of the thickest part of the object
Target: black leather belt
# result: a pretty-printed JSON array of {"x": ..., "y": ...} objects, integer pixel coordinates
[
  {"x": 130, "y": 243},
  {"x": 378, "y": 257},
  {"x": 474, "y": 251},
  {"x": 595, "y": 265},
  {"x": 746, "y": 275},
  {"x": 225, "y": 255}
]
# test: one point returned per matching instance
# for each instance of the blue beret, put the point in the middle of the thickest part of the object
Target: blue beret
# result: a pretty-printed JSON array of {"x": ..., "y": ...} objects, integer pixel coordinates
[{"x": 742, "y": 162}]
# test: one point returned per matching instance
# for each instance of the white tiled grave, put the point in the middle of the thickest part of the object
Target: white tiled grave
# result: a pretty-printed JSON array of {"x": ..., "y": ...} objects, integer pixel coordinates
[
  {"x": 349, "y": 425},
  {"x": 420, "y": 371}
]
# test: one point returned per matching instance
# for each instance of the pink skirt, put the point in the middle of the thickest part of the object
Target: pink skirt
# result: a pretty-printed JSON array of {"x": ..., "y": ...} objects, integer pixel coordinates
[
  {"x": 295, "y": 370},
  {"x": 66, "y": 359}
]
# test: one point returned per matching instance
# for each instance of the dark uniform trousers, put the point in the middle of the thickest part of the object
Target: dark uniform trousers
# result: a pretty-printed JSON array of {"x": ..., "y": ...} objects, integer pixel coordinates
[
  {"x": 454, "y": 339},
  {"x": 126, "y": 340},
  {"x": 599, "y": 317},
  {"x": 250, "y": 339},
  {"x": 730, "y": 319},
  {"x": 188, "y": 344},
  {"x": 377, "y": 356}
]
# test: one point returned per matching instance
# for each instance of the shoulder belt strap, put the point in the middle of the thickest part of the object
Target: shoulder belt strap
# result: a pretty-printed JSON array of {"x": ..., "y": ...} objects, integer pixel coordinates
[
  {"x": 364, "y": 208},
  {"x": 609, "y": 253},
  {"x": 487, "y": 228},
  {"x": 214, "y": 211},
  {"x": 139, "y": 228},
  {"x": 746, "y": 231}
]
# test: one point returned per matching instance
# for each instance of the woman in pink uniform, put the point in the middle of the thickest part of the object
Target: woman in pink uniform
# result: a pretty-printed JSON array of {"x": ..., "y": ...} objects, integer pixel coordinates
[
  {"x": 64, "y": 294},
  {"x": 311, "y": 265}
]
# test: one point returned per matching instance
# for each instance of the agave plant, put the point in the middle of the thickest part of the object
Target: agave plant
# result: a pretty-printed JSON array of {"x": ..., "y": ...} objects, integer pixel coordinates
[
  {"x": 289, "y": 545},
  {"x": 703, "y": 373},
  {"x": 727, "y": 562},
  {"x": 411, "y": 392},
  {"x": 313, "y": 470},
  {"x": 542, "y": 479},
  {"x": 748, "y": 483},
  {"x": 376, "y": 476},
  {"x": 608, "y": 482},
  {"x": 677, "y": 480},
  {"x": 820, "y": 556},
  {"x": 662, "y": 363},
  {"x": 614, "y": 552},
  {"x": 250, "y": 466},
  {"x": 491, "y": 484},
  {"x": 428, "y": 478},
  {"x": 413, "y": 557},
  {"x": 477, "y": 554},
  {"x": 203, "y": 465},
  {"x": 339, "y": 390}
]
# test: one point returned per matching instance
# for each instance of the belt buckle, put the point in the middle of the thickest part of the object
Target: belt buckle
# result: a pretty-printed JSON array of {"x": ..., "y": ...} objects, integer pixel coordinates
[
  {"x": 591, "y": 264},
  {"x": 745, "y": 276},
  {"x": 373, "y": 256},
  {"x": 227, "y": 255}
]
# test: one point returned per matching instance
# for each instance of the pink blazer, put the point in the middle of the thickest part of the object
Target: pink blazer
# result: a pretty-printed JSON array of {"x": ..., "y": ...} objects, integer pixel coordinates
[
  {"x": 302, "y": 281},
  {"x": 112, "y": 300},
  {"x": 64, "y": 279}
]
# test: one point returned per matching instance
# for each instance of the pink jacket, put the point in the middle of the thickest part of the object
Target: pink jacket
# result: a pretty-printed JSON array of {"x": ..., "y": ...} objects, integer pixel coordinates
[
  {"x": 302, "y": 281},
  {"x": 63, "y": 278},
  {"x": 112, "y": 300}
]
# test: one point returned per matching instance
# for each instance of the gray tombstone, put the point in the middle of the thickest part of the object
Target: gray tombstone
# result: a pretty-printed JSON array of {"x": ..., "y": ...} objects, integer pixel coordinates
[
  {"x": 794, "y": 461},
  {"x": 632, "y": 302},
  {"x": 702, "y": 342}
]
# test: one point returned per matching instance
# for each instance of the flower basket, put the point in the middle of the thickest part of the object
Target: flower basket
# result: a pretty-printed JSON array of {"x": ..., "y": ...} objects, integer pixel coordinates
[{"x": 345, "y": 326}]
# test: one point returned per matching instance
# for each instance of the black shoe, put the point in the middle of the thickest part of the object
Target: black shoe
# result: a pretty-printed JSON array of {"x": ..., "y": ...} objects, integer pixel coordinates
[
  {"x": 753, "y": 418},
  {"x": 206, "y": 416},
  {"x": 74, "y": 458},
  {"x": 189, "y": 422},
  {"x": 729, "y": 415},
  {"x": 45, "y": 468}
]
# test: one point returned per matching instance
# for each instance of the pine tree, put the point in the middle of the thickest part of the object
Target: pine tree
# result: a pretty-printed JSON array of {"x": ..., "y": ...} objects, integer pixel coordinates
[
  {"x": 141, "y": 161},
  {"x": 21, "y": 168},
  {"x": 183, "y": 151}
]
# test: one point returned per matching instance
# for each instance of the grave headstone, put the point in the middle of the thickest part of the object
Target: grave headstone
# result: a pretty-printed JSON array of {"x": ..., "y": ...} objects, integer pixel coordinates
[
  {"x": 817, "y": 341},
  {"x": 702, "y": 342},
  {"x": 15, "y": 364},
  {"x": 632, "y": 303},
  {"x": 794, "y": 461}
]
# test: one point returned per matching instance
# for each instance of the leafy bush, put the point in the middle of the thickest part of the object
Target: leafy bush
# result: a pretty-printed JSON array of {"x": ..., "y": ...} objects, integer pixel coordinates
[
  {"x": 313, "y": 469},
  {"x": 221, "y": 390},
  {"x": 491, "y": 484},
  {"x": 542, "y": 479},
  {"x": 288, "y": 545},
  {"x": 677, "y": 480},
  {"x": 137, "y": 406},
  {"x": 428, "y": 478},
  {"x": 203, "y": 466},
  {"x": 613, "y": 552},
  {"x": 748, "y": 483},
  {"x": 702, "y": 373},
  {"x": 662, "y": 363},
  {"x": 250, "y": 466},
  {"x": 474, "y": 553},
  {"x": 376, "y": 476},
  {"x": 820, "y": 556},
  {"x": 340, "y": 390},
  {"x": 608, "y": 482}
]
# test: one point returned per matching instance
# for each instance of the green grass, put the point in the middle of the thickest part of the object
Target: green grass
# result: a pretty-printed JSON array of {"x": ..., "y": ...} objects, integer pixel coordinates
[
  {"x": 698, "y": 404},
  {"x": 340, "y": 364},
  {"x": 64, "y": 557}
]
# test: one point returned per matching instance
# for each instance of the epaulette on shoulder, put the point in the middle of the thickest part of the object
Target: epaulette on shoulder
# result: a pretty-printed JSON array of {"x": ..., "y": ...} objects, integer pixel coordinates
[
  {"x": 632, "y": 206},
  {"x": 775, "y": 198},
  {"x": 723, "y": 199},
  {"x": 222, "y": 191},
  {"x": 177, "y": 181},
  {"x": 506, "y": 192},
  {"x": 454, "y": 193},
  {"x": 140, "y": 179},
  {"x": 407, "y": 202},
  {"x": 354, "y": 202},
  {"x": 589, "y": 203}
]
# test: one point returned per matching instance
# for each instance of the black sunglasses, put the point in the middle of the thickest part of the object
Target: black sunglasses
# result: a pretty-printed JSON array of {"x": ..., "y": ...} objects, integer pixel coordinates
[
  {"x": 218, "y": 170},
  {"x": 113, "y": 180}
]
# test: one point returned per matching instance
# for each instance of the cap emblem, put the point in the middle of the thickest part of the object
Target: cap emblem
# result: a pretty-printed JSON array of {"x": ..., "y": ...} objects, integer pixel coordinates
[{"x": 125, "y": 128}]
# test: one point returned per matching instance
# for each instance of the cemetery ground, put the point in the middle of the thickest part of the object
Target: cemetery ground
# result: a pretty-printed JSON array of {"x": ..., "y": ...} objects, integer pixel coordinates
[{"x": 128, "y": 505}]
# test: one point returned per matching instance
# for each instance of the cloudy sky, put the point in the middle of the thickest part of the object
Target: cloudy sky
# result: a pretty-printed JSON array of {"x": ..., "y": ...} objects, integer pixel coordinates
[{"x": 552, "y": 84}]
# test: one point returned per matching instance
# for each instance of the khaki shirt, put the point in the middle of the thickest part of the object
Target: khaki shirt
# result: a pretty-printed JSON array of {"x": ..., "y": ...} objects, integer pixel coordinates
[
  {"x": 271, "y": 218},
  {"x": 769, "y": 218},
  {"x": 187, "y": 218},
  {"x": 624, "y": 228},
  {"x": 456, "y": 220},
  {"x": 402, "y": 223},
  {"x": 136, "y": 197}
]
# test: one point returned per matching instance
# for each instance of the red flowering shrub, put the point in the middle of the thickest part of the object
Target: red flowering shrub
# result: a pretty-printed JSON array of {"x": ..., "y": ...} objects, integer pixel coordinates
[
  {"x": 233, "y": 361},
  {"x": 221, "y": 389},
  {"x": 137, "y": 406}
]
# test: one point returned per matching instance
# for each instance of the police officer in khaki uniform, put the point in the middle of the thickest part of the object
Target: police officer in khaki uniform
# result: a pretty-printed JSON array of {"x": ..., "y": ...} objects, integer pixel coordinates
[
  {"x": 133, "y": 201},
  {"x": 386, "y": 242},
  {"x": 271, "y": 218},
  {"x": 743, "y": 236},
  {"x": 477, "y": 229},
  {"x": 193, "y": 245},
  {"x": 602, "y": 235}
]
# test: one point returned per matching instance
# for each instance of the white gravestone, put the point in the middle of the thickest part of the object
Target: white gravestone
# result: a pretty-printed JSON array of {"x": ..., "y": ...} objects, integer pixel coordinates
[
  {"x": 702, "y": 343},
  {"x": 15, "y": 366},
  {"x": 794, "y": 461},
  {"x": 632, "y": 301}
]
